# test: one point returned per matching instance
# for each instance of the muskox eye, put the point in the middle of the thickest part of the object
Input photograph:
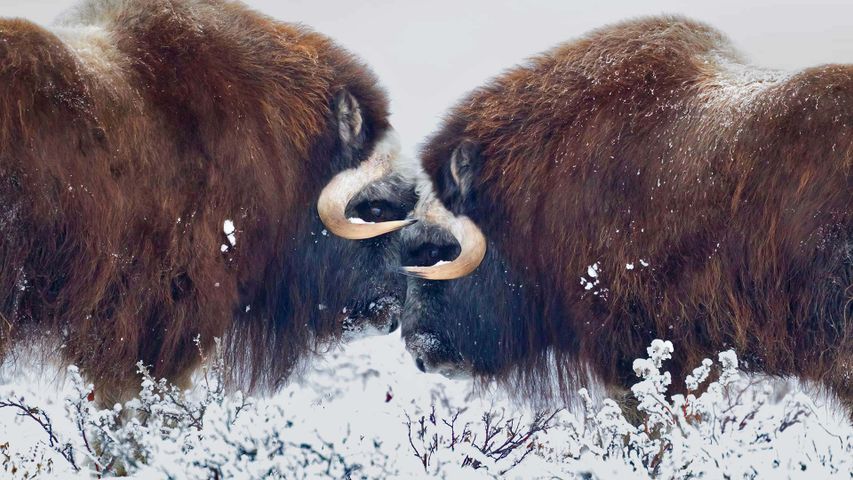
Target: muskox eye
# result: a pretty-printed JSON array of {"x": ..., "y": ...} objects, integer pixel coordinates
[{"x": 378, "y": 211}]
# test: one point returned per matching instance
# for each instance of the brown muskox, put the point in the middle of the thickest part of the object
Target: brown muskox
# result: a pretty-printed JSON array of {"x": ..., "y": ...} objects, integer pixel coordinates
[
  {"x": 641, "y": 182},
  {"x": 162, "y": 166}
]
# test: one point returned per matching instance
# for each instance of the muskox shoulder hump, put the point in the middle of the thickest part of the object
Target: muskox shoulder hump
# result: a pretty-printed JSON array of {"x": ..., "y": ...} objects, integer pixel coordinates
[
  {"x": 825, "y": 92},
  {"x": 644, "y": 53},
  {"x": 809, "y": 116},
  {"x": 91, "y": 12},
  {"x": 41, "y": 78},
  {"x": 28, "y": 52}
]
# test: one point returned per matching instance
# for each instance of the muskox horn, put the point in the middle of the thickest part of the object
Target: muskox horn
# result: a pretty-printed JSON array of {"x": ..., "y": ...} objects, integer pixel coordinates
[
  {"x": 345, "y": 185},
  {"x": 473, "y": 249}
]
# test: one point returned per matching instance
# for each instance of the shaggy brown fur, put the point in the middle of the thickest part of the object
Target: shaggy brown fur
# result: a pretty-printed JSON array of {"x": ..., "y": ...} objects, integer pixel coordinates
[
  {"x": 651, "y": 140},
  {"x": 125, "y": 144}
]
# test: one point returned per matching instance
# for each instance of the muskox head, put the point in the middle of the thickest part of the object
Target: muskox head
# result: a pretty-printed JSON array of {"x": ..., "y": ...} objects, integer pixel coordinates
[
  {"x": 462, "y": 327},
  {"x": 339, "y": 277},
  {"x": 458, "y": 319},
  {"x": 366, "y": 200},
  {"x": 467, "y": 312}
]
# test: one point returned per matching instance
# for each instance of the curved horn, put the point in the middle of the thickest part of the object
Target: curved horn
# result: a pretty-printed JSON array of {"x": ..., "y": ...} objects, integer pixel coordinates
[
  {"x": 473, "y": 250},
  {"x": 333, "y": 203},
  {"x": 345, "y": 185}
]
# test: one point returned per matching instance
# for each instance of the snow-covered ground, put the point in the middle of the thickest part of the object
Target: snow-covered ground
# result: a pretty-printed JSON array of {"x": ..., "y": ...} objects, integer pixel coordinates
[{"x": 365, "y": 411}]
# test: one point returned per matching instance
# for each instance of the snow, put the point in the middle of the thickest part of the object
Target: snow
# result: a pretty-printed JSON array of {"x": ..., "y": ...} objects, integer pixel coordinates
[
  {"x": 229, "y": 230},
  {"x": 699, "y": 375},
  {"x": 593, "y": 271},
  {"x": 228, "y": 227}
]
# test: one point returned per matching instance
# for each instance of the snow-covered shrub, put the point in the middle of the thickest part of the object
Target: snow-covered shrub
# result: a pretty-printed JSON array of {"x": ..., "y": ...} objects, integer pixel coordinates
[
  {"x": 33, "y": 463},
  {"x": 732, "y": 430},
  {"x": 354, "y": 416},
  {"x": 496, "y": 443},
  {"x": 204, "y": 434}
]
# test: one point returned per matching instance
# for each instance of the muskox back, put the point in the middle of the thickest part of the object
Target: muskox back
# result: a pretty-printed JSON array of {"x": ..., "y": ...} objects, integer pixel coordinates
[
  {"x": 129, "y": 137},
  {"x": 710, "y": 200}
]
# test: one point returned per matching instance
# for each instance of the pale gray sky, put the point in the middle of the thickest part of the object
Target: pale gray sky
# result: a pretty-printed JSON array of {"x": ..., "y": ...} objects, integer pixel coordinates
[{"x": 428, "y": 54}]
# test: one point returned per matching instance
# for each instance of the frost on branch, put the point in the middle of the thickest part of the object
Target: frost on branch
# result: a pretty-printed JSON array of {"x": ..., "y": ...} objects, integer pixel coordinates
[{"x": 496, "y": 443}]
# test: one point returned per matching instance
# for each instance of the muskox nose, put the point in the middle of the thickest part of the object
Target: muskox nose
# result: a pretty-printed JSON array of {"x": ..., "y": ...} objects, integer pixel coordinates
[
  {"x": 425, "y": 244},
  {"x": 433, "y": 353},
  {"x": 419, "y": 362}
]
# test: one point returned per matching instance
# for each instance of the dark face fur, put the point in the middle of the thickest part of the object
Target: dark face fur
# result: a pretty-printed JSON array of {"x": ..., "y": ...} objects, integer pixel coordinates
[
  {"x": 459, "y": 327},
  {"x": 468, "y": 325},
  {"x": 353, "y": 286},
  {"x": 478, "y": 325}
]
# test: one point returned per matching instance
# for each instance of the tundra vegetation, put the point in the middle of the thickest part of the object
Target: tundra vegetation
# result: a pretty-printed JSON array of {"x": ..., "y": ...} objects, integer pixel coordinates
[{"x": 362, "y": 412}]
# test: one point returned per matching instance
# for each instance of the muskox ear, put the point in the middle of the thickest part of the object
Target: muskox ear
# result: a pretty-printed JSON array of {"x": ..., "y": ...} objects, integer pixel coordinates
[
  {"x": 348, "y": 114},
  {"x": 462, "y": 164}
]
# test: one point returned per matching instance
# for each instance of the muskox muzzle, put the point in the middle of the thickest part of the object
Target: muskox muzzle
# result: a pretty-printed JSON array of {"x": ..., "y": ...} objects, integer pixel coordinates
[
  {"x": 433, "y": 354},
  {"x": 425, "y": 245}
]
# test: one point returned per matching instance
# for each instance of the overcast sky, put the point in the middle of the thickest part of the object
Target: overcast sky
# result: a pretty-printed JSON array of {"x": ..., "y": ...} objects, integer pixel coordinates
[{"x": 429, "y": 53}]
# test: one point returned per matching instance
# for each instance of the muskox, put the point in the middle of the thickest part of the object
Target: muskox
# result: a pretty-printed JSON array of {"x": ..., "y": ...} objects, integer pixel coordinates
[
  {"x": 162, "y": 173},
  {"x": 640, "y": 182}
]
